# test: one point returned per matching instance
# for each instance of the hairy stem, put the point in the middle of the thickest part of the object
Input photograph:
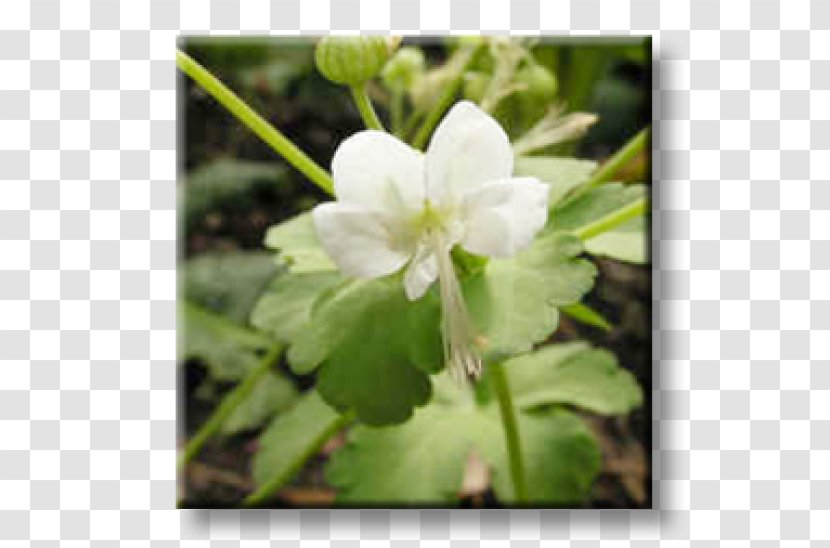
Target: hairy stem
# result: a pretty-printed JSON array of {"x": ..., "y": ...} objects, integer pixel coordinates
[
  {"x": 256, "y": 123},
  {"x": 511, "y": 431},
  {"x": 612, "y": 220},
  {"x": 364, "y": 105},
  {"x": 229, "y": 404},
  {"x": 462, "y": 62}
]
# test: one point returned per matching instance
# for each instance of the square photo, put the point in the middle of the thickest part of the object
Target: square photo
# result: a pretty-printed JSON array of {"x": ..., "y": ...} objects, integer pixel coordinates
[{"x": 414, "y": 272}]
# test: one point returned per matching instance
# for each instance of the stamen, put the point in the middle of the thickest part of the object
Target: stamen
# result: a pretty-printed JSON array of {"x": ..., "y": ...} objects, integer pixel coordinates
[{"x": 457, "y": 331}]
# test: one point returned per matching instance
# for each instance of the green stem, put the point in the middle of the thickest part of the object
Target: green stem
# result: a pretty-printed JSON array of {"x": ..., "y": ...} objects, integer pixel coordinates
[
  {"x": 611, "y": 166},
  {"x": 511, "y": 431},
  {"x": 265, "y": 491},
  {"x": 465, "y": 57},
  {"x": 612, "y": 220},
  {"x": 255, "y": 122},
  {"x": 410, "y": 125},
  {"x": 396, "y": 112},
  {"x": 364, "y": 105},
  {"x": 229, "y": 405}
]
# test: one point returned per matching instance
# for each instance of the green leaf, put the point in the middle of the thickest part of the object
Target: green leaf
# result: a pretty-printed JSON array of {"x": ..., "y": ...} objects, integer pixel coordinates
[
  {"x": 228, "y": 283},
  {"x": 291, "y": 439},
  {"x": 223, "y": 183},
  {"x": 627, "y": 242},
  {"x": 419, "y": 462},
  {"x": 375, "y": 347},
  {"x": 272, "y": 394},
  {"x": 573, "y": 374},
  {"x": 514, "y": 301},
  {"x": 561, "y": 173},
  {"x": 296, "y": 239},
  {"x": 594, "y": 204},
  {"x": 227, "y": 349},
  {"x": 561, "y": 459},
  {"x": 584, "y": 314},
  {"x": 422, "y": 461},
  {"x": 285, "y": 308}
]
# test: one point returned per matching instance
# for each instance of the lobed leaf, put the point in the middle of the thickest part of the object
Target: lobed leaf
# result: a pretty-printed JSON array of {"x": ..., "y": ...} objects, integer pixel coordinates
[
  {"x": 514, "y": 301},
  {"x": 290, "y": 440},
  {"x": 374, "y": 348},
  {"x": 562, "y": 174},
  {"x": 273, "y": 393},
  {"x": 285, "y": 307},
  {"x": 227, "y": 349},
  {"x": 573, "y": 374},
  {"x": 627, "y": 242},
  {"x": 422, "y": 461},
  {"x": 228, "y": 283},
  {"x": 296, "y": 240}
]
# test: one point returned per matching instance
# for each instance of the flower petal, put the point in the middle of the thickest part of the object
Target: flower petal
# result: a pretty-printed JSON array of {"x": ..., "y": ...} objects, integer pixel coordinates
[
  {"x": 502, "y": 217},
  {"x": 422, "y": 271},
  {"x": 375, "y": 170},
  {"x": 469, "y": 148},
  {"x": 358, "y": 240}
]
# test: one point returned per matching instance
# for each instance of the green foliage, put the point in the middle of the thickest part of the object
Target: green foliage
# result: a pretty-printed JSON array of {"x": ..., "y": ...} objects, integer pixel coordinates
[
  {"x": 225, "y": 183},
  {"x": 561, "y": 459},
  {"x": 627, "y": 242},
  {"x": 375, "y": 348},
  {"x": 514, "y": 301},
  {"x": 423, "y": 460},
  {"x": 226, "y": 348},
  {"x": 399, "y": 341},
  {"x": 573, "y": 374},
  {"x": 228, "y": 283},
  {"x": 377, "y": 355},
  {"x": 298, "y": 245},
  {"x": 560, "y": 173},
  {"x": 285, "y": 307},
  {"x": 273, "y": 393},
  {"x": 220, "y": 290},
  {"x": 289, "y": 441},
  {"x": 586, "y": 315}
]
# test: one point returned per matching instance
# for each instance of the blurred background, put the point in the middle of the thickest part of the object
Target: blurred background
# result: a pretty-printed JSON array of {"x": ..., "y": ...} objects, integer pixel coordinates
[{"x": 232, "y": 187}]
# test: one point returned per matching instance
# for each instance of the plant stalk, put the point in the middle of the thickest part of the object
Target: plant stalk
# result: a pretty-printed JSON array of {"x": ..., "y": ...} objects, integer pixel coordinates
[
  {"x": 396, "y": 112},
  {"x": 511, "y": 431},
  {"x": 612, "y": 220},
  {"x": 364, "y": 105},
  {"x": 610, "y": 167},
  {"x": 256, "y": 123},
  {"x": 228, "y": 405},
  {"x": 465, "y": 57}
]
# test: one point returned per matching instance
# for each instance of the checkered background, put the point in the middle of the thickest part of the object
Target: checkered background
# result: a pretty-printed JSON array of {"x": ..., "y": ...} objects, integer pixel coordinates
[{"x": 87, "y": 273}]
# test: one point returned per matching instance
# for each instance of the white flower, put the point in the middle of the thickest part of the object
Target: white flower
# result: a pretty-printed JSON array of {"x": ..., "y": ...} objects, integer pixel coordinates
[{"x": 399, "y": 207}]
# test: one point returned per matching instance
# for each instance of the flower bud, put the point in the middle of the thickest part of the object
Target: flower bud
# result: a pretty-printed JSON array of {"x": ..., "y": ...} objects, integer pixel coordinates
[
  {"x": 406, "y": 66},
  {"x": 351, "y": 60},
  {"x": 540, "y": 83}
]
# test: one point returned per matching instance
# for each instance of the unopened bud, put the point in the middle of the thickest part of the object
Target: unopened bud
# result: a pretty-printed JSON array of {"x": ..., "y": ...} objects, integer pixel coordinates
[
  {"x": 404, "y": 68},
  {"x": 351, "y": 60},
  {"x": 537, "y": 82}
]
